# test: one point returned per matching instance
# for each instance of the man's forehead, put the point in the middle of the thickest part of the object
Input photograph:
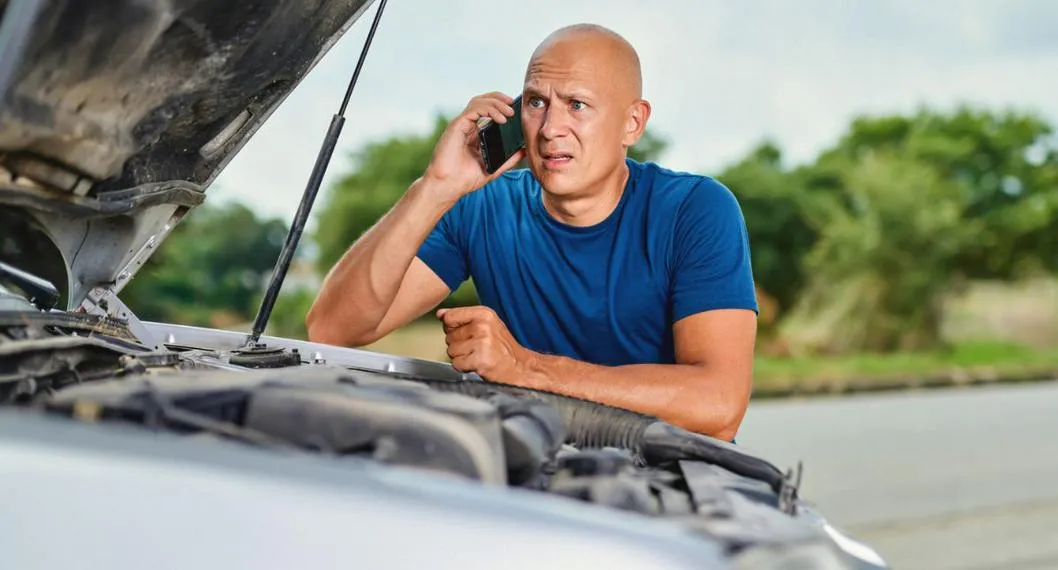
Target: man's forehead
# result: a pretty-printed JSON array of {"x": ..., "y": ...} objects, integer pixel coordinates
[
  {"x": 545, "y": 77},
  {"x": 588, "y": 61},
  {"x": 579, "y": 74}
]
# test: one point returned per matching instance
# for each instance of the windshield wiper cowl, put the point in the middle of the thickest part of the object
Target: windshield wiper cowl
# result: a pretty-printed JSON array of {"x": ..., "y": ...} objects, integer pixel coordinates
[{"x": 41, "y": 292}]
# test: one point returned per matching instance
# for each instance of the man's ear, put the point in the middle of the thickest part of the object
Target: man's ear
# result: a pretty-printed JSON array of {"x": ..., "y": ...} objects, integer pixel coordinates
[{"x": 636, "y": 122}]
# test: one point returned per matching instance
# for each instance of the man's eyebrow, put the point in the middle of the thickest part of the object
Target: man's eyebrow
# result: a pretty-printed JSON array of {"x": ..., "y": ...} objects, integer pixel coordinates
[
  {"x": 579, "y": 93},
  {"x": 531, "y": 90}
]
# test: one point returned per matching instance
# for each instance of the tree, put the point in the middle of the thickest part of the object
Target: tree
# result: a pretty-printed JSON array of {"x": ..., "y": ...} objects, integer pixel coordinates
[
  {"x": 880, "y": 270},
  {"x": 379, "y": 174},
  {"x": 909, "y": 209},
  {"x": 1006, "y": 167},
  {"x": 210, "y": 270},
  {"x": 774, "y": 203}
]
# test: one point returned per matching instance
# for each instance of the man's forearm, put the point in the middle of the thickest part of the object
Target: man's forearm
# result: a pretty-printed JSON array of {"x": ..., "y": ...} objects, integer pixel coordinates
[
  {"x": 681, "y": 394},
  {"x": 361, "y": 287}
]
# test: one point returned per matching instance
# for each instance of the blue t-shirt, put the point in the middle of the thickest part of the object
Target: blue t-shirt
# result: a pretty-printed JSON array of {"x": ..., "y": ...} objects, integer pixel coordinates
[{"x": 607, "y": 294}]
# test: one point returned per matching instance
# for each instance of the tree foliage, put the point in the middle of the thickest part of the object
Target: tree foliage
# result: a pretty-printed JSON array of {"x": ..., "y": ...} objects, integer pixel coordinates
[
  {"x": 908, "y": 209},
  {"x": 775, "y": 206},
  {"x": 880, "y": 269},
  {"x": 210, "y": 270},
  {"x": 379, "y": 174},
  {"x": 1006, "y": 171}
]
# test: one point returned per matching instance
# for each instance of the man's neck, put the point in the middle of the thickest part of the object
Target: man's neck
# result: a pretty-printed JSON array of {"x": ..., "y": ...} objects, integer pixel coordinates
[{"x": 591, "y": 206}]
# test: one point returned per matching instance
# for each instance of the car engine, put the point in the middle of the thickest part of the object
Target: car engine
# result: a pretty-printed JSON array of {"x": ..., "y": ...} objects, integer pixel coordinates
[{"x": 90, "y": 368}]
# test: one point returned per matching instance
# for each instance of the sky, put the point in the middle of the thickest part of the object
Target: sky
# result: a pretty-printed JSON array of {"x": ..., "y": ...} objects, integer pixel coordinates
[{"x": 721, "y": 76}]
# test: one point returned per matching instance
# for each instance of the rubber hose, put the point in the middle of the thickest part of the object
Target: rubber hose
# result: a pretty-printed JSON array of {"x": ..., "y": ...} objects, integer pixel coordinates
[
  {"x": 588, "y": 424},
  {"x": 593, "y": 425}
]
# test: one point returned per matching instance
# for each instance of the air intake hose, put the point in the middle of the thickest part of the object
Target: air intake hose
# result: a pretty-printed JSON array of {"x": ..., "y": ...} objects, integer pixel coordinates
[
  {"x": 592, "y": 425},
  {"x": 588, "y": 424}
]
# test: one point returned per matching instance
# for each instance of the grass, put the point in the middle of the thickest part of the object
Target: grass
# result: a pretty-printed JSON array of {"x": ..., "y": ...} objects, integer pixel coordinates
[
  {"x": 420, "y": 339},
  {"x": 965, "y": 362}
]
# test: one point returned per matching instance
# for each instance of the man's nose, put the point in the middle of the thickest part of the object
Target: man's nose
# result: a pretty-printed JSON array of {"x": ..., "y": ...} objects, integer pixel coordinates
[{"x": 556, "y": 123}]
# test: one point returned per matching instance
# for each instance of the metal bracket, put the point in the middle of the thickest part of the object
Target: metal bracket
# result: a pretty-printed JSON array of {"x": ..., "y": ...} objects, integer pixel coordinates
[
  {"x": 104, "y": 302},
  {"x": 791, "y": 486}
]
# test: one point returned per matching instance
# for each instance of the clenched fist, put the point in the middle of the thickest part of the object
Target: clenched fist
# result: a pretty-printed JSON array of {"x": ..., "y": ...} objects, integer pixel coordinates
[{"x": 479, "y": 342}]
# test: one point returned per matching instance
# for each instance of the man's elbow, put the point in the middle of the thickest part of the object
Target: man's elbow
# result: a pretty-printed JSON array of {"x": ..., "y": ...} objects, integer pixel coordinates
[
  {"x": 720, "y": 422},
  {"x": 726, "y": 433},
  {"x": 323, "y": 329},
  {"x": 319, "y": 330},
  {"x": 713, "y": 427}
]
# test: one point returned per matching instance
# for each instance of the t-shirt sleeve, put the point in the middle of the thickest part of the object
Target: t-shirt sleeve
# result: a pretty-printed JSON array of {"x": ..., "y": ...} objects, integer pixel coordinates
[
  {"x": 712, "y": 268},
  {"x": 443, "y": 250}
]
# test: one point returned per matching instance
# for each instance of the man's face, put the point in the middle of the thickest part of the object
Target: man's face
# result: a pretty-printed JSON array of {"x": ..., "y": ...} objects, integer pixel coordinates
[{"x": 574, "y": 119}]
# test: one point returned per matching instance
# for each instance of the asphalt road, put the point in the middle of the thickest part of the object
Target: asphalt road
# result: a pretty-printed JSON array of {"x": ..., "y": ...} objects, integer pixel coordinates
[{"x": 943, "y": 479}]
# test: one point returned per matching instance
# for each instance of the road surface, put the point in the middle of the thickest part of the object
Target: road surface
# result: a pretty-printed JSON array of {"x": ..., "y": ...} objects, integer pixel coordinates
[{"x": 943, "y": 479}]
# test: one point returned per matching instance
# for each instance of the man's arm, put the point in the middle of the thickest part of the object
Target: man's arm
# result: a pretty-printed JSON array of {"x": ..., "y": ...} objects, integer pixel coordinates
[
  {"x": 706, "y": 391},
  {"x": 379, "y": 284}
]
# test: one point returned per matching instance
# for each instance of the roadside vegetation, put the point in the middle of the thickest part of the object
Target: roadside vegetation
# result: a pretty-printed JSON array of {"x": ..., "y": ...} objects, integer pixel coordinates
[{"x": 916, "y": 249}]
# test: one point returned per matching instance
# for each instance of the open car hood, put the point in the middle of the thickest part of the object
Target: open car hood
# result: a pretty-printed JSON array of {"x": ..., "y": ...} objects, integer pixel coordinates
[{"x": 116, "y": 115}]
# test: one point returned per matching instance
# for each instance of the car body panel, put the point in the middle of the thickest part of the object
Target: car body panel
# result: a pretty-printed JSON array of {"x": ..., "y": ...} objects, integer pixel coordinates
[
  {"x": 82, "y": 495},
  {"x": 222, "y": 340}
]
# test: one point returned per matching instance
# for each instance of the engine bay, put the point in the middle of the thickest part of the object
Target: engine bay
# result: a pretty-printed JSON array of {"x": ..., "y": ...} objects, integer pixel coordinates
[{"x": 89, "y": 368}]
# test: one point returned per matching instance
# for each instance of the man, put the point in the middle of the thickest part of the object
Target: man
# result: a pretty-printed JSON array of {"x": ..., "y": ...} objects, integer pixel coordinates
[{"x": 601, "y": 278}]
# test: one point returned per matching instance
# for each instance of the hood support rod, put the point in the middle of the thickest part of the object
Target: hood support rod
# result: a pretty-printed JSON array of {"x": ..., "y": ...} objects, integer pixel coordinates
[{"x": 286, "y": 255}]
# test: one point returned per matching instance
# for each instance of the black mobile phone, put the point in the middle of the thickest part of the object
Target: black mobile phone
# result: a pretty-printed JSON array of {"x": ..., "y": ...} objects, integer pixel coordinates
[{"x": 498, "y": 141}]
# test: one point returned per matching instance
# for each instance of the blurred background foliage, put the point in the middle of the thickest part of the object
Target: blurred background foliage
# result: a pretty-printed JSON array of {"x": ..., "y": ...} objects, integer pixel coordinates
[
  {"x": 210, "y": 270},
  {"x": 862, "y": 250}
]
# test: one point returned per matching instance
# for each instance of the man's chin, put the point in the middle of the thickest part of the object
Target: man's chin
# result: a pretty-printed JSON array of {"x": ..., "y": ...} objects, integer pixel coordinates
[{"x": 557, "y": 183}]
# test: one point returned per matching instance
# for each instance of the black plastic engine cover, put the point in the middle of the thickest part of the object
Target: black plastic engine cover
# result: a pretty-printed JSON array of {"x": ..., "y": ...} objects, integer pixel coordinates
[
  {"x": 609, "y": 477},
  {"x": 533, "y": 429},
  {"x": 382, "y": 423},
  {"x": 395, "y": 422}
]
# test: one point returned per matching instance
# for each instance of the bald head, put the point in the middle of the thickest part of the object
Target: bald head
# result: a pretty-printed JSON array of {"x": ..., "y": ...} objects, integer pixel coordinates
[
  {"x": 596, "y": 46},
  {"x": 582, "y": 109}
]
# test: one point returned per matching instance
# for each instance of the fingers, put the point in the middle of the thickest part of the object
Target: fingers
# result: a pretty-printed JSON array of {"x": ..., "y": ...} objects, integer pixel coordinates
[
  {"x": 469, "y": 334},
  {"x": 466, "y": 363},
  {"x": 460, "y": 349},
  {"x": 460, "y": 333},
  {"x": 496, "y": 111},
  {"x": 462, "y": 325},
  {"x": 475, "y": 359},
  {"x": 511, "y": 162},
  {"x": 497, "y": 95},
  {"x": 460, "y": 316},
  {"x": 496, "y": 106}
]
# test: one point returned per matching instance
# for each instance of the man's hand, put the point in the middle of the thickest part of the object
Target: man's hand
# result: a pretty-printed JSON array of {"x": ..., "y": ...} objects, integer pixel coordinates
[
  {"x": 456, "y": 164},
  {"x": 479, "y": 342}
]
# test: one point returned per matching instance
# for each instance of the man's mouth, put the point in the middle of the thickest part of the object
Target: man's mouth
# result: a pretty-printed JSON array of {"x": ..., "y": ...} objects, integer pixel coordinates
[{"x": 553, "y": 159}]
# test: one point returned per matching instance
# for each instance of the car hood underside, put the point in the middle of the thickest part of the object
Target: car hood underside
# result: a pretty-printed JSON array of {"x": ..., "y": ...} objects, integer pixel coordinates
[{"x": 115, "y": 115}]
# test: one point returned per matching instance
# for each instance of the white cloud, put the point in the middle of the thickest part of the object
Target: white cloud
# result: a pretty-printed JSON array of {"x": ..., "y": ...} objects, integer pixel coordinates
[{"x": 721, "y": 76}]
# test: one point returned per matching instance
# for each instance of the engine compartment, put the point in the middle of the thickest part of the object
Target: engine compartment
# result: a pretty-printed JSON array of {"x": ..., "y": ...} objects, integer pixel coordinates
[{"x": 89, "y": 369}]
